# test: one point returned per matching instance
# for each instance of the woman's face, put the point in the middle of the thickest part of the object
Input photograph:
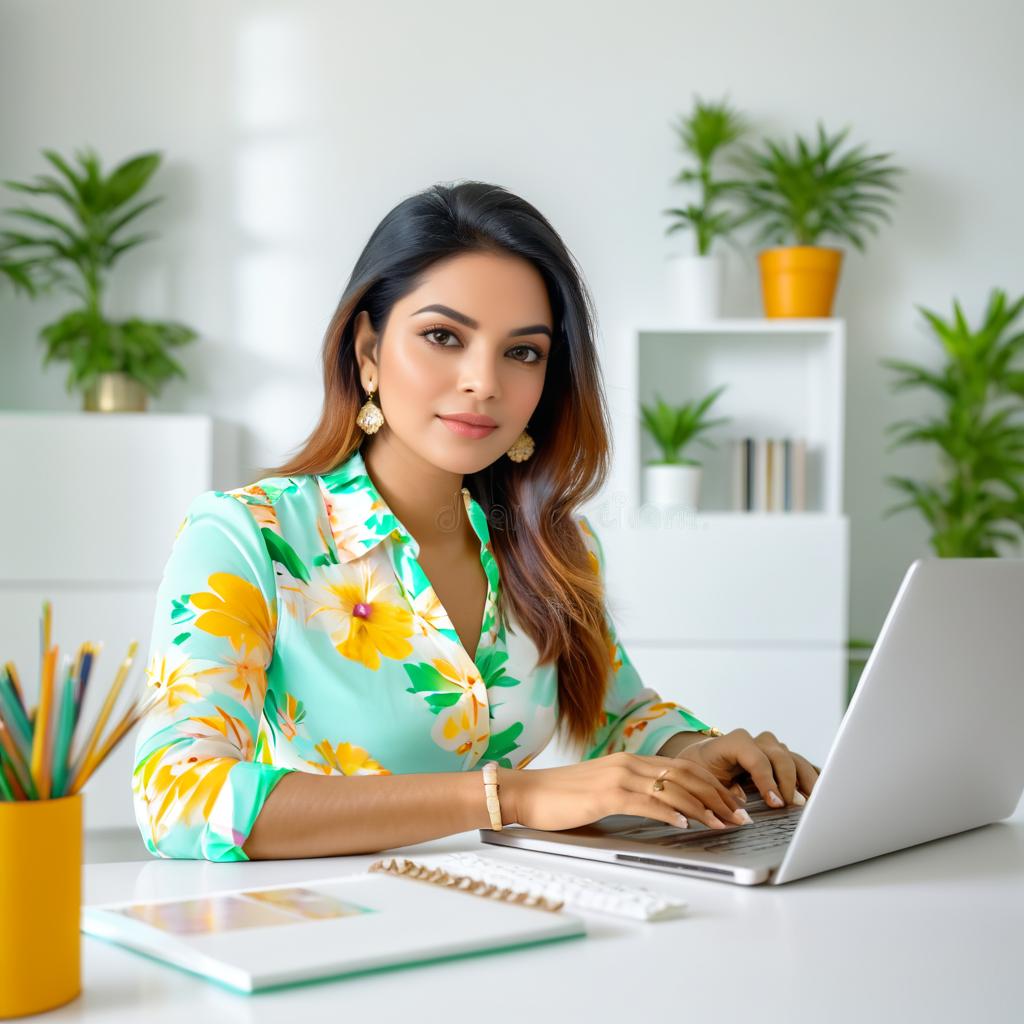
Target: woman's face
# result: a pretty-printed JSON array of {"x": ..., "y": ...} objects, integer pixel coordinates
[{"x": 474, "y": 337}]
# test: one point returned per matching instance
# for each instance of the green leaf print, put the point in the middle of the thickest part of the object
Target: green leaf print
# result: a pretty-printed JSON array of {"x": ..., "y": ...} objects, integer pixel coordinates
[
  {"x": 502, "y": 744},
  {"x": 180, "y": 611},
  {"x": 181, "y": 638},
  {"x": 491, "y": 663},
  {"x": 327, "y": 558},
  {"x": 425, "y": 678},
  {"x": 438, "y": 701},
  {"x": 281, "y": 551}
]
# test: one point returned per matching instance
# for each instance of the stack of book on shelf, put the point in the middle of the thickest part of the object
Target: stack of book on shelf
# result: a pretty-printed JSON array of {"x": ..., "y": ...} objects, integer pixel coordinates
[{"x": 769, "y": 474}]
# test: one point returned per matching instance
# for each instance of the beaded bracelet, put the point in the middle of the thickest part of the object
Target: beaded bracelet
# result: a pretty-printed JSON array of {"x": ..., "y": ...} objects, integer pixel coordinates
[{"x": 490, "y": 771}]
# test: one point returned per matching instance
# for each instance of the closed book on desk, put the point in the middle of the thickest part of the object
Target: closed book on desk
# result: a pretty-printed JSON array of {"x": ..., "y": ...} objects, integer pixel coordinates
[{"x": 273, "y": 936}]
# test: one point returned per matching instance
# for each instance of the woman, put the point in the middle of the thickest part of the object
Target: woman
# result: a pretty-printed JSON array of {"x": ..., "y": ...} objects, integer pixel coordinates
[{"x": 345, "y": 643}]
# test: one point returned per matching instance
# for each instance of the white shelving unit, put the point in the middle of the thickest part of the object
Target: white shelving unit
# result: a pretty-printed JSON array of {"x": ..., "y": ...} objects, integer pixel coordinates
[
  {"x": 94, "y": 502},
  {"x": 740, "y": 616}
]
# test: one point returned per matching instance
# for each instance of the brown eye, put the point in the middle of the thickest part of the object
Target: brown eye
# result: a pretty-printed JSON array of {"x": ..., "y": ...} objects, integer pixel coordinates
[{"x": 437, "y": 330}]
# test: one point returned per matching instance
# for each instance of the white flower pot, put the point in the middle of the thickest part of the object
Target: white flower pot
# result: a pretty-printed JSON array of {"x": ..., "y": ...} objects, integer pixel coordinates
[
  {"x": 695, "y": 288},
  {"x": 671, "y": 486}
]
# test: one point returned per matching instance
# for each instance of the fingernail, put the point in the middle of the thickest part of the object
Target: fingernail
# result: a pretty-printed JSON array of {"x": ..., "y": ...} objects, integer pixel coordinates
[
  {"x": 683, "y": 823},
  {"x": 799, "y": 799},
  {"x": 741, "y": 816},
  {"x": 774, "y": 799}
]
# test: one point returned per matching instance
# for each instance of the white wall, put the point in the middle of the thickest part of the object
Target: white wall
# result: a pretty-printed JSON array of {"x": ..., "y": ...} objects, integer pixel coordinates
[{"x": 291, "y": 128}]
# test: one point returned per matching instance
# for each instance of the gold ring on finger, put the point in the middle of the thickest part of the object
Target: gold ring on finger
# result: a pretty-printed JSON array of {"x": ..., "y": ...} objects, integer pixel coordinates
[{"x": 659, "y": 783}]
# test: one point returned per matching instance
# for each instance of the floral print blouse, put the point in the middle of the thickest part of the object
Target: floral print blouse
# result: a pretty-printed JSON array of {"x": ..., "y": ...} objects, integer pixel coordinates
[{"x": 295, "y": 630}]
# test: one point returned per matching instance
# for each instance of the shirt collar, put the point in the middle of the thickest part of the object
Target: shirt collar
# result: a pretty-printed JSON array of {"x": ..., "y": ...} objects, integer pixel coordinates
[{"x": 360, "y": 518}]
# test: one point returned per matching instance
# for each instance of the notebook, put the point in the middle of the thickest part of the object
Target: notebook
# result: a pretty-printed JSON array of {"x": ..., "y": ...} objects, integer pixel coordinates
[{"x": 398, "y": 914}]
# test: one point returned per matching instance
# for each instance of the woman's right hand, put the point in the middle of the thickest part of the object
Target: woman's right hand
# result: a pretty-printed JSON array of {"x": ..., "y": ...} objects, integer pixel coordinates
[{"x": 577, "y": 794}]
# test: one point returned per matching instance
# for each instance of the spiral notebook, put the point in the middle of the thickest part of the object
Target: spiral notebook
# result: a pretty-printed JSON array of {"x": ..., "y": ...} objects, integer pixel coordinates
[{"x": 398, "y": 914}]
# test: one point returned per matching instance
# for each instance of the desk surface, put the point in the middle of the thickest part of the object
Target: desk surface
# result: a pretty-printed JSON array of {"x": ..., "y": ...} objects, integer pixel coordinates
[{"x": 930, "y": 933}]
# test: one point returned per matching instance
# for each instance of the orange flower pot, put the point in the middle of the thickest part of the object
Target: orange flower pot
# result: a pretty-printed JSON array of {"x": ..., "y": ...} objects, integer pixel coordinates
[{"x": 799, "y": 280}]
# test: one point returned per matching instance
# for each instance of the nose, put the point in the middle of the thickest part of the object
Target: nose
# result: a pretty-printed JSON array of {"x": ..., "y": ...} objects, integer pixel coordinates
[{"x": 479, "y": 372}]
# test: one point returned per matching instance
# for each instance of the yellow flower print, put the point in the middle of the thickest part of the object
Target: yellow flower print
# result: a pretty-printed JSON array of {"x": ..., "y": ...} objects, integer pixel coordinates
[
  {"x": 429, "y": 611},
  {"x": 289, "y": 716},
  {"x": 246, "y": 673},
  {"x": 172, "y": 674},
  {"x": 238, "y": 611},
  {"x": 360, "y": 610},
  {"x": 465, "y": 725},
  {"x": 179, "y": 785},
  {"x": 205, "y": 727},
  {"x": 347, "y": 759},
  {"x": 653, "y": 712}
]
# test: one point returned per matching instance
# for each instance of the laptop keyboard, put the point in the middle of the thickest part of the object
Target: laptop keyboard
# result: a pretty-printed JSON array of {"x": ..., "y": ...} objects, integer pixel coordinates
[{"x": 767, "y": 832}]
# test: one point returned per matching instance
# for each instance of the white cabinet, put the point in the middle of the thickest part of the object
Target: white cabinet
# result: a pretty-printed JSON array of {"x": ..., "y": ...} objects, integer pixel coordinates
[{"x": 91, "y": 507}]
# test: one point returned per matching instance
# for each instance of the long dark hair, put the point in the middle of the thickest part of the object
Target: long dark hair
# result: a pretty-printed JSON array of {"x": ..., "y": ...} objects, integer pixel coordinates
[{"x": 547, "y": 579}]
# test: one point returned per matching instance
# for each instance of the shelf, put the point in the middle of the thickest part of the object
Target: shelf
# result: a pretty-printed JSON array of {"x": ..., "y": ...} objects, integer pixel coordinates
[{"x": 784, "y": 378}]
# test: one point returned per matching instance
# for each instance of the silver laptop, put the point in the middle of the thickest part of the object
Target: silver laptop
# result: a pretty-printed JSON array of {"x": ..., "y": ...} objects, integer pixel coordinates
[{"x": 932, "y": 744}]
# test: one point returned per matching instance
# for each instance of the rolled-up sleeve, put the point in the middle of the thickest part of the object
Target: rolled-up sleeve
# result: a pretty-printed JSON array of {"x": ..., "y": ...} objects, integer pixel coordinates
[{"x": 197, "y": 787}]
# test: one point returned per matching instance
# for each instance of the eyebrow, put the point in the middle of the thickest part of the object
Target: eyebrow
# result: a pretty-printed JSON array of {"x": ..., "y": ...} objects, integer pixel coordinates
[{"x": 470, "y": 322}]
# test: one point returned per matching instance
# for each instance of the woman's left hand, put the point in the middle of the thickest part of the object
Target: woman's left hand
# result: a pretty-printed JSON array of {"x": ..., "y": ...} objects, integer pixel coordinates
[{"x": 772, "y": 766}]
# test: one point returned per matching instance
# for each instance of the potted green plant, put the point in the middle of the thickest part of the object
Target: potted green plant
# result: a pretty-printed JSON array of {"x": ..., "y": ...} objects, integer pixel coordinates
[
  {"x": 978, "y": 500},
  {"x": 801, "y": 194},
  {"x": 115, "y": 363},
  {"x": 706, "y": 135},
  {"x": 673, "y": 481}
]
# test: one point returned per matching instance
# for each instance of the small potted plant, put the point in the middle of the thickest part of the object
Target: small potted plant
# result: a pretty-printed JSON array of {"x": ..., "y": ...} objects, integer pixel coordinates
[
  {"x": 116, "y": 363},
  {"x": 674, "y": 480},
  {"x": 706, "y": 134},
  {"x": 978, "y": 501},
  {"x": 801, "y": 194}
]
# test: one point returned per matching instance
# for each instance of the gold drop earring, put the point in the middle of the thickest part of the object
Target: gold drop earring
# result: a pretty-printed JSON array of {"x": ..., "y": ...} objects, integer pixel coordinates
[
  {"x": 370, "y": 418},
  {"x": 522, "y": 448}
]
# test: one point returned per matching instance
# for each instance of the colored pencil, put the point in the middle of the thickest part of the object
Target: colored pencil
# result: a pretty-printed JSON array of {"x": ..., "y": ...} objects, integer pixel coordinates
[
  {"x": 18, "y": 764},
  {"x": 12, "y": 674},
  {"x": 108, "y": 706},
  {"x": 5, "y": 787},
  {"x": 14, "y": 713},
  {"x": 36, "y": 761},
  {"x": 130, "y": 717},
  {"x": 39, "y": 765},
  {"x": 62, "y": 741},
  {"x": 19, "y": 793}
]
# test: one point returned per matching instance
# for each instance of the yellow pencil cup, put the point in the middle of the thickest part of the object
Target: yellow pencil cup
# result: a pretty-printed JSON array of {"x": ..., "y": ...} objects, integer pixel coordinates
[{"x": 40, "y": 904}]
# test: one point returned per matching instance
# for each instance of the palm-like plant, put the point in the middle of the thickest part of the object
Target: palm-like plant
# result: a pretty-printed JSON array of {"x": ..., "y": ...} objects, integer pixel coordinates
[
  {"x": 804, "y": 192},
  {"x": 674, "y": 427},
  {"x": 706, "y": 133},
  {"x": 77, "y": 254},
  {"x": 979, "y": 500}
]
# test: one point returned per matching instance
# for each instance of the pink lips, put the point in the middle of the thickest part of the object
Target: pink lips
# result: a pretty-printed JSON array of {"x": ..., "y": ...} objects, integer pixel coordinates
[{"x": 468, "y": 425}]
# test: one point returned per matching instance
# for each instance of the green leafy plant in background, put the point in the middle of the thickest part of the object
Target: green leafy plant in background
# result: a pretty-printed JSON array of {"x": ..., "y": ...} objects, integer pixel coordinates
[
  {"x": 675, "y": 427},
  {"x": 979, "y": 499},
  {"x": 76, "y": 253},
  {"x": 803, "y": 192},
  {"x": 17, "y": 272},
  {"x": 706, "y": 133}
]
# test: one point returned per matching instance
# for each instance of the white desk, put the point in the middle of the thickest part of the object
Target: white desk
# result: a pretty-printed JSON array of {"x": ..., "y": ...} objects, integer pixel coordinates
[{"x": 934, "y": 933}]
